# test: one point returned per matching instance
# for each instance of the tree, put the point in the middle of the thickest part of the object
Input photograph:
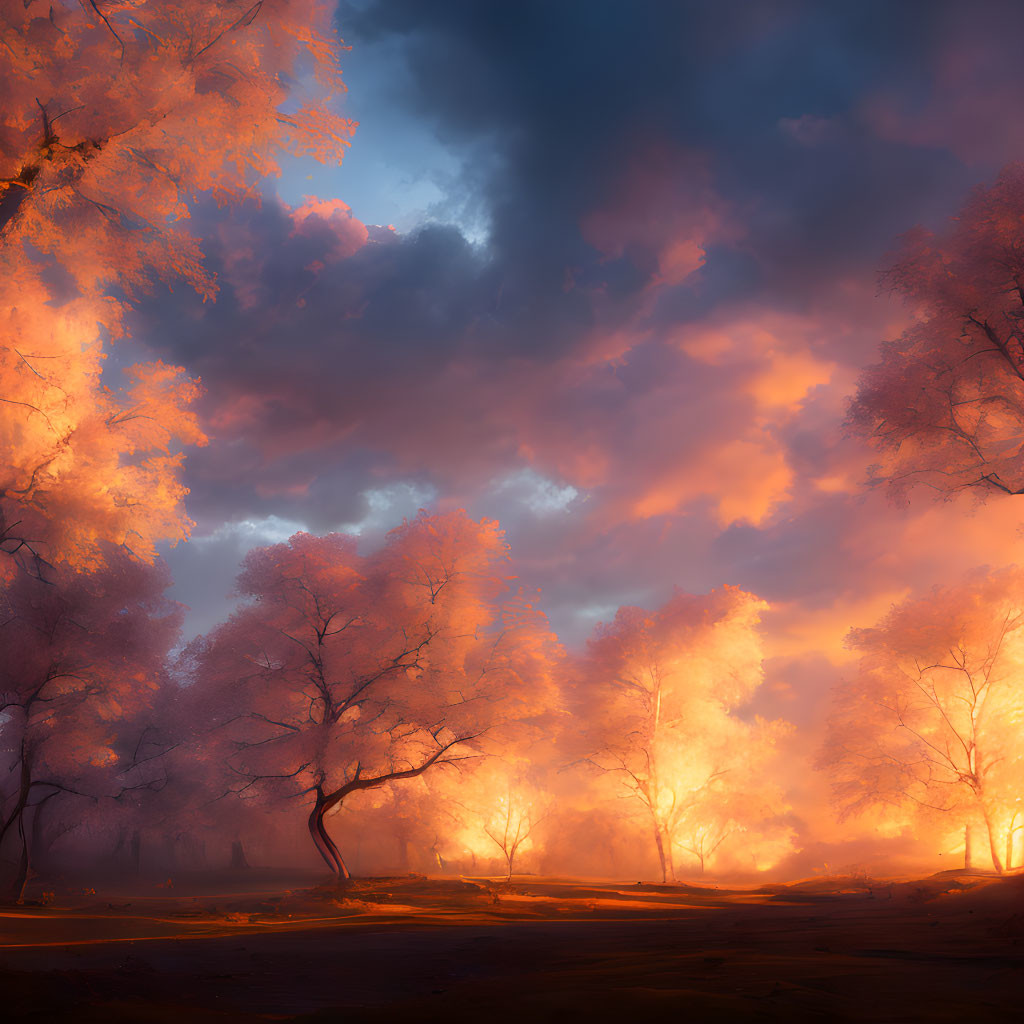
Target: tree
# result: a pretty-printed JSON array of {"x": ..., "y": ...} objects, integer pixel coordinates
[
  {"x": 345, "y": 673},
  {"x": 930, "y": 725},
  {"x": 710, "y": 827},
  {"x": 80, "y": 658},
  {"x": 117, "y": 114},
  {"x": 80, "y": 464},
  {"x": 514, "y": 820},
  {"x": 659, "y": 691},
  {"x": 497, "y": 807},
  {"x": 945, "y": 405}
]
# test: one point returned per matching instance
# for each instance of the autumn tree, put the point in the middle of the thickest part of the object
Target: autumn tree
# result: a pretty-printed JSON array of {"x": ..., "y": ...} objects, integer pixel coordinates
[
  {"x": 945, "y": 404},
  {"x": 660, "y": 691},
  {"x": 116, "y": 115},
  {"x": 747, "y": 822},
  {"x": 516, "y": 810},
  {"x": 80, "y": 656},
  {"x": 344, "y": 672},
  {"x": 497, "y": 808},
  {"x": 929, "y": 727}
]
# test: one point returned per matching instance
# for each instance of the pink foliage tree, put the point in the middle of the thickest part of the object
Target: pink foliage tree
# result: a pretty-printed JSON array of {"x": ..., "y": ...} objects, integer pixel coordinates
[
  {"x": 945, "y": 405},
  {"x": 345, "y": 672},
  {"x": 81, "y": 657}
]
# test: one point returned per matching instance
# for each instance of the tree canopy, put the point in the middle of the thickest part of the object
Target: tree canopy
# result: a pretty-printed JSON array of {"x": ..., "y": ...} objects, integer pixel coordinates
[
  {"x": 116, "y": 116},
  {"x": 929, "y": 727},
  {"x": 945, "y": 404}
]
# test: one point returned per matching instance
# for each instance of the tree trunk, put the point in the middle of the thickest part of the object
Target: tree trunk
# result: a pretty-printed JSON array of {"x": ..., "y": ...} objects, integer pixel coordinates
[
  {"x": 403, "y": 853},
  {"x": 967, "y": 847},
  {"x": 664, "y": 853},
  {"x": 323, "y": 842},
  {"x": 326, "y": 801},
  {"x": 16, "y": 889},
  {"x": 41, "y": 842},
  {"x": 20, "y": 880},
  {"x": 1011, "y": 840},
  {"x": 436, "y": 851},
  {"x": 992, "y": 845},
  {"x": 238, "y": 861}
]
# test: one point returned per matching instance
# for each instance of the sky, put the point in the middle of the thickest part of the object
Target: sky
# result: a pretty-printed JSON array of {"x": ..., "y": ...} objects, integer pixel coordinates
[{"x": 607, "y": 273}]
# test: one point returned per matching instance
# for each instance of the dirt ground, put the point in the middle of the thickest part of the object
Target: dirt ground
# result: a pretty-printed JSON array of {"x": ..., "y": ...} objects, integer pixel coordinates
[{"x": 256, "y": 946}]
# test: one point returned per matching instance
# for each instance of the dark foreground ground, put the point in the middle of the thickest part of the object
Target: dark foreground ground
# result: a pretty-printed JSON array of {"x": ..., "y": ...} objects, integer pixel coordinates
[{"x": 947, "y": 948}]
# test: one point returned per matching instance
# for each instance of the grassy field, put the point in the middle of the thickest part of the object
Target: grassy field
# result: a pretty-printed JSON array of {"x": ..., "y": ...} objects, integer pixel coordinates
[{"x": 262, "y": 946}]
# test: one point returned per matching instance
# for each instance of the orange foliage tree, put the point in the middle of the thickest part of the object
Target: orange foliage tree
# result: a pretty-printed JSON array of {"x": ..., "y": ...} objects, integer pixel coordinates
[
  {"x": 930, "y": 725},
  {"x": 500, "y": 808},
  {"x": 116, "y": 114},
  {"x": 509, "y": 811},
  {"x": 661, "y": 690},
  {"x": 945, "y": 405},
  {"x": 345, "y": 673}
]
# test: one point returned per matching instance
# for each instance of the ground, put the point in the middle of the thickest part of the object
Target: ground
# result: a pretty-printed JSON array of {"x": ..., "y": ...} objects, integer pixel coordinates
[{"x": 255, "y": 946}]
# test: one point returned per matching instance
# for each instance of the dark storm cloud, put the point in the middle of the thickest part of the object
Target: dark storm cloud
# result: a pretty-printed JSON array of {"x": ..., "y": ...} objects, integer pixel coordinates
[{"x": 563, "y": 95}]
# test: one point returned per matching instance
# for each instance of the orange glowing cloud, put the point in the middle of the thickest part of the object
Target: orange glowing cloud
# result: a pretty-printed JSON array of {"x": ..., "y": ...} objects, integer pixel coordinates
[
  {"x": 794, "y": 629},
  {"x": 351, "y": 233},
  {"x": 787, "y": 379},
  {"x": 745, "y": 479}
]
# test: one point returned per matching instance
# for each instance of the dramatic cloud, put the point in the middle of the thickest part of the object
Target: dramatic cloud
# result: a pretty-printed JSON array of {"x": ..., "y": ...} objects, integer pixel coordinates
[{"x": 641, "y": 364}]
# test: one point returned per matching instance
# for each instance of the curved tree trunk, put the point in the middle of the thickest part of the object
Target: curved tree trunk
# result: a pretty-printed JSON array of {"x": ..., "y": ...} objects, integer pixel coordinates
[
  {"x": 325, "y": 845},
  {"x": 326, "y": 801}
]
